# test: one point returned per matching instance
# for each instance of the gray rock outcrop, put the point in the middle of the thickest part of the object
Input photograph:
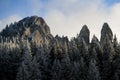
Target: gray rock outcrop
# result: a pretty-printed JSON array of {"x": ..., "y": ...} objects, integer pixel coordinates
[
  {"x": 106, "y": 32},
  {"x": 32, "y": 28},
  {"x": 84, "y": 34}
]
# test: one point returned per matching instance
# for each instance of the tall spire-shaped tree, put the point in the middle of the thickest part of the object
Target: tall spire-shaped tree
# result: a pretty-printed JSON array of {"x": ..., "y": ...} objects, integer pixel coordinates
[{"x": 24, "y": 72}]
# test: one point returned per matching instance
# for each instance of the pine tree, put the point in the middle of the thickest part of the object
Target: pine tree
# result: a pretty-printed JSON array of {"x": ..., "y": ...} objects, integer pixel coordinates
[
  {"x": 42, "y": 59},
  {"x": 107, "y": 58},
  {"x": 66, "y": 67},
  {"x": 56, "y": 70},
  {"x": 36, "y": 72},
  {"x": 24, "y": 71},
  {"x": 115, "y": 70},
  {"x": 84, "y": 49},
  {"x": 4, "y": 63},
  {"x": 116, "y": 45},
  {"x": 93, "y": 72},
  {"x": 79, "y": 70}
]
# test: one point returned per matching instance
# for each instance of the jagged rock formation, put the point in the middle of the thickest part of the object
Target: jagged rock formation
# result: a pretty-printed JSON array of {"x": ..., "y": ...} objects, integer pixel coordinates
[
  {"x": 84, "y": 34},
  {"x": 106, "y": 32},
  {"x": 28, "y": 51},
  {"x": 33, "y": 28}
]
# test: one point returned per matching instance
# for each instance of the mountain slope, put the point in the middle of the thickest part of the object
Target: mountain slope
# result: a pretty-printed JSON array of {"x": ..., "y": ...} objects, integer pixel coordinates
[
  {"x": 34, "y": 28},
  {"x": 28, "y": 51}
]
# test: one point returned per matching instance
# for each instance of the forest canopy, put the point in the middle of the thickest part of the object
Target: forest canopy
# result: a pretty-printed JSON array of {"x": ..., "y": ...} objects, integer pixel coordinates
[{"x": 28, "y": 51}]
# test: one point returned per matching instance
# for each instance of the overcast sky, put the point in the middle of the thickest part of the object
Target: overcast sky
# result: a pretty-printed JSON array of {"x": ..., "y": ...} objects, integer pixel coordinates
[{"x": 65, "y": 17}]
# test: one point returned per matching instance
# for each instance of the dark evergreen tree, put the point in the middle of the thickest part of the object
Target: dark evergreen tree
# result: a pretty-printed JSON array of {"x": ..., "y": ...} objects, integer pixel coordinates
[
  {"x": 93, "y": 72},
  {"x": 56, "y": 70},
  {"x": 28, "y": 51},
  {"x": 36, "y": 72},
  {"x": 4, "y": 63},
  {"x": 25, "y": 70}
]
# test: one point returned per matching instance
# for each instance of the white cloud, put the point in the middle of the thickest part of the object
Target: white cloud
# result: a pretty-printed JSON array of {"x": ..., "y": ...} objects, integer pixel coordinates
[
  {"x": 8, "y": 20},
  {"x": 67, "y": 17},
  {"x": 114, "y": 18}
]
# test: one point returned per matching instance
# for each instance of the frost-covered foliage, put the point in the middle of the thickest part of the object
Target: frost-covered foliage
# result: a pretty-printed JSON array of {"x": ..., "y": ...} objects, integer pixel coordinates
[{"x": 28, "y": 51}]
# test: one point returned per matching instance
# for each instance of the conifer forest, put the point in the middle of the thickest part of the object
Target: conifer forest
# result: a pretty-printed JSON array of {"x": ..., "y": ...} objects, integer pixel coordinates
[{"x": 28, "y": 51}]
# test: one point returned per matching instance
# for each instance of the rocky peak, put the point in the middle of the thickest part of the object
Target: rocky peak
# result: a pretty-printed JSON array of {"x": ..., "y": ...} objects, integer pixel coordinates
[
  {"x": 30, "y": 27},
  {"x": 32, "y": 20},
  {"x": 84, "y": 34},
  {"x": 27, "y": 25},
  {"x": 35, "y": 22},
  {"x": 106, "y": 32}
]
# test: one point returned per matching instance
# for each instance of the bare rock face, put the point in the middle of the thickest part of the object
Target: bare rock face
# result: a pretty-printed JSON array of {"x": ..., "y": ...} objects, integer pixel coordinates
[
  {"x": 35, "y": 37},
  {"x": 36, "y": 30},
  {"x": 29, "y": 27},
  {"x": 84, "y": 34},
  {"x": 36, "y": 23},
  {"x": 106, "y": 32}
]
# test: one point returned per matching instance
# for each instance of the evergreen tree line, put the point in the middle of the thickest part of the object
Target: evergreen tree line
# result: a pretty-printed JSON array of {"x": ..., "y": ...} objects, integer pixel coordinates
[
  {"x": 64, "y": 60},
  {"x": 28, "y": 51}
]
